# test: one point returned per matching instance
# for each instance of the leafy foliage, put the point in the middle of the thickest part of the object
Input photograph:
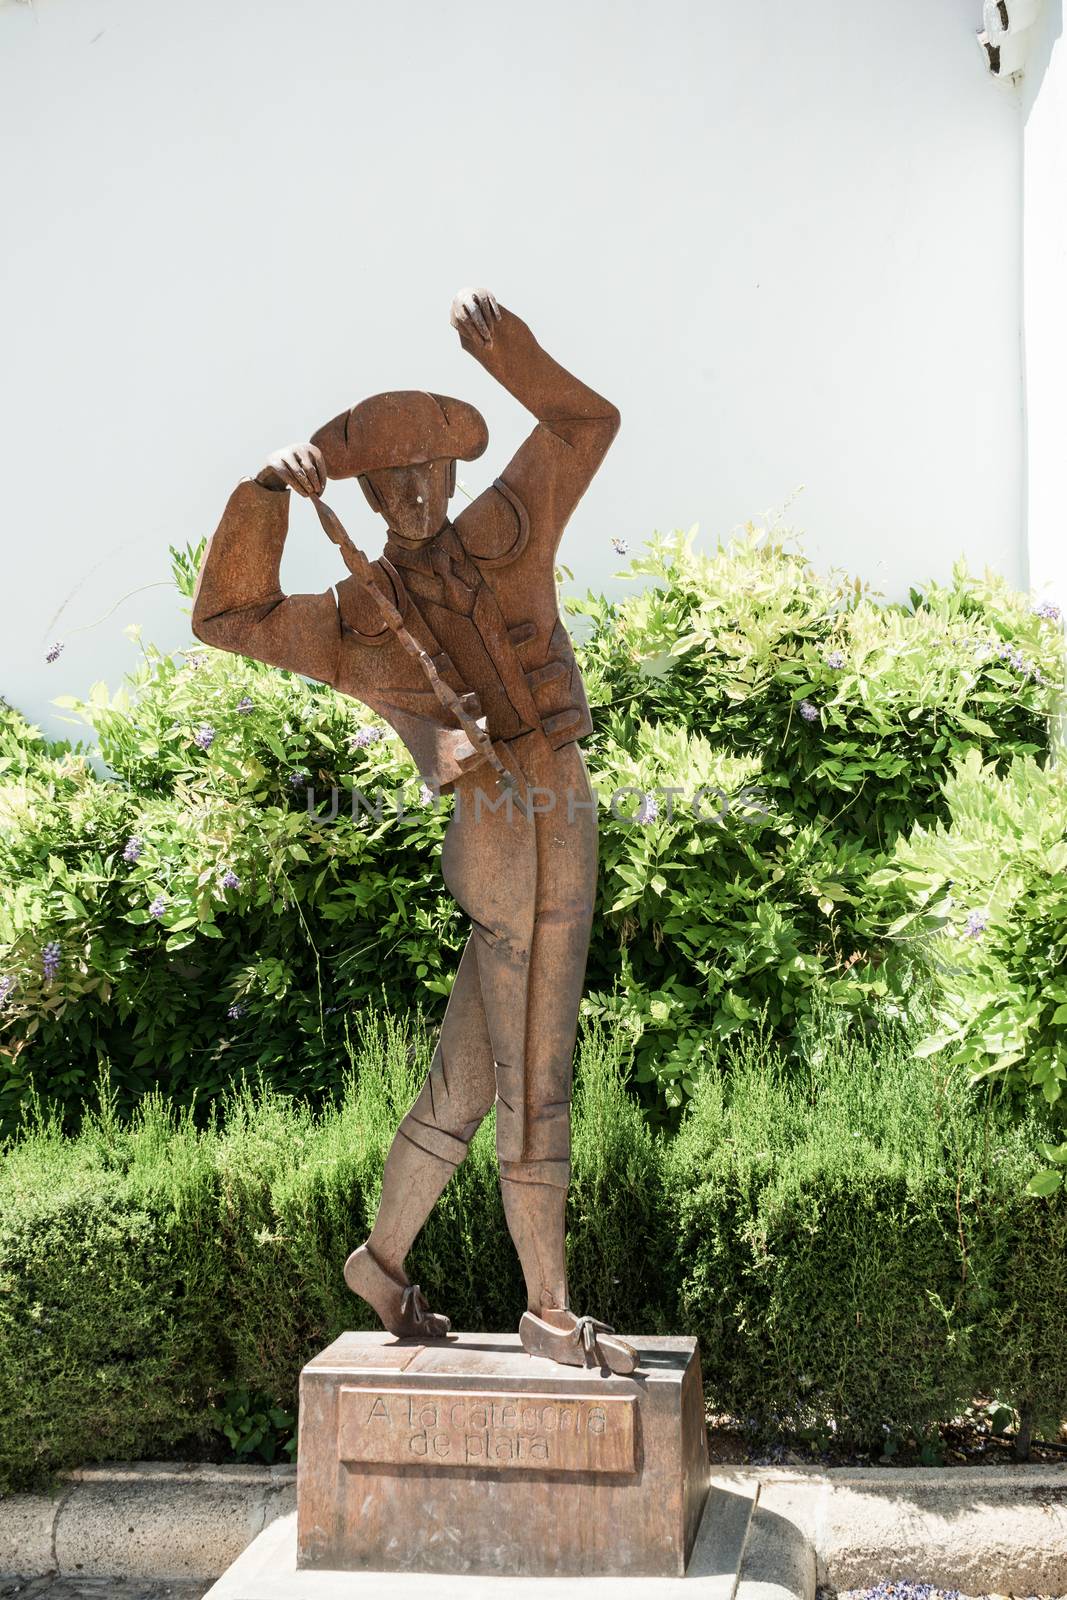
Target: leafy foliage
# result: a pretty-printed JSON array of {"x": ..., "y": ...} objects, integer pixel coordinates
[
  {"x": 161, "y": 1284},
  {"x": 830, "y": 722},
  {"x": 986, "y": 894},
  {"x": 210, "y": 924},
  {"x": 763, "y": 738},
  {"x": 254, "y": 1426}
]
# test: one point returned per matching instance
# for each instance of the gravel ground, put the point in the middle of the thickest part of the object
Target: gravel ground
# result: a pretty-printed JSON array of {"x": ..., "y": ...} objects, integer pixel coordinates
[
  {"x": 100, "y": 1589},
  {"x": 145, "y": 1589},
  {"x": 914, "y": 1591}
]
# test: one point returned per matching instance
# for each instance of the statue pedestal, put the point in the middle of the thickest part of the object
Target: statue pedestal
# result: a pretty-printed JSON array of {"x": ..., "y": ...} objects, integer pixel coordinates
[{"x": 469, "y": 1456}]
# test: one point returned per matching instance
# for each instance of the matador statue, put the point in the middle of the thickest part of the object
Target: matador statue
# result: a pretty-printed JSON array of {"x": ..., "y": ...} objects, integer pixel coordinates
[{"x": 453, "y": 636}]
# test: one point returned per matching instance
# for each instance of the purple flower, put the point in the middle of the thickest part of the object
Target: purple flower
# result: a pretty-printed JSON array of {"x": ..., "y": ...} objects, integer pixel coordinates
[
  {"x": 809, "y": 712},
  {"x": 977, "y": 923},
  {"x": 426, "y": 795},
  {"x": 236, "y": 1010},
  {"x": 1017, "y": 659},
  {"x": 7, "y": 983},
  {"x": 204, "y": 736},
  {"x": 835, "y": 659},
  {"x": 365, "y": 736},
  {"x": 55, "y": 652},
  {"x": 246, "y": 704},
  {"x": 230, "y": 880},
  {"x": 51, "y": 956},
  {"x": 648, "y": 810},
  {"x": 158, "y": 908},
  {"x": 619, "y": 546},
  {"x": 296, "y": 779},
  {"x": 133, "y": 849},
  {"x": 1049, "y": 611}
]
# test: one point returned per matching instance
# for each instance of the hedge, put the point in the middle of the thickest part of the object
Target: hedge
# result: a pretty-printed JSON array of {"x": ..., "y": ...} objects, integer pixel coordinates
[{"x": 851, "y": 1244}]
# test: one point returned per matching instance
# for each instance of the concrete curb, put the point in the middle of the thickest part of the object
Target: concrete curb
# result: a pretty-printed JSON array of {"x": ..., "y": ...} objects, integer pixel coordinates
[
  {"x": 144, "y": 1520},
  {"x": 980, "y": 1530}
]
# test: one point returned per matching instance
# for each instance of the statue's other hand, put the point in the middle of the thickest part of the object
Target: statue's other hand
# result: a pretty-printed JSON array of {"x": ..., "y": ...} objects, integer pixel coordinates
[
  {"x": 297, "y": 466},
  {"x": 474, "y": 314}
]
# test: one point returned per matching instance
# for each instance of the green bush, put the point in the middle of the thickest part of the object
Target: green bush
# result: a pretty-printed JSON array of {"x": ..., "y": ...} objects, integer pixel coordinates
[
  {"x": 184, "y": 921},
  {"x": 161, "y": 1284},
  {"x": 110, "y": 1320},
  {"x": 845, "y": 716},
  {"x": 857, "y": 1250},
  {"x": 852, "y": 1246},
  {"x": 985, "y": 896}
]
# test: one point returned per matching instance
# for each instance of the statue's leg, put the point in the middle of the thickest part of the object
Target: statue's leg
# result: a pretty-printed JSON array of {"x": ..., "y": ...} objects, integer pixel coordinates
[
  {"x": 534, "y": 1148},
  {"x": 527, "y": 882},
  {"x": 430, "y": 1143},
  {"x": 526, "y": 876},
  {"x": 491, "y": 867}
]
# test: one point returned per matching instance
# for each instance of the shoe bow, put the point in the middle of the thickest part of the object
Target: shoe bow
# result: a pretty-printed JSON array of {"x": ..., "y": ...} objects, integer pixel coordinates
[
  {"x": 414, "y": 1307},
  {"x": 585, "y": 1332}
]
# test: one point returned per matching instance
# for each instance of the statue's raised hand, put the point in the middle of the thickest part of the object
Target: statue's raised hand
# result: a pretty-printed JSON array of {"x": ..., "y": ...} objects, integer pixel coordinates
[
  {"x": 474, "y": 315},
  {"x": 297, "y": 466}
]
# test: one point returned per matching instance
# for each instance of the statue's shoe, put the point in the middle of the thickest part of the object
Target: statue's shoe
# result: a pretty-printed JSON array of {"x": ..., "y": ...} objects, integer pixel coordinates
[
  {"x": 401, "y": 1305},
  {"x": 576, "y": 1341}
]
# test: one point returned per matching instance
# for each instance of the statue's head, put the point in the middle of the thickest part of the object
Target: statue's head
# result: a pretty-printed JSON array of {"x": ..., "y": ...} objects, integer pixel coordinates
[{"x": 403, "y": 448}]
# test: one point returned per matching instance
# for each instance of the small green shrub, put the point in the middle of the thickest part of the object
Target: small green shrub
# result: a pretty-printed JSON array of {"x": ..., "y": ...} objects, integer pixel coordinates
[
  {"x": 985, "y": 894},
  {"x": 111, "y": 1323},
  {"x": 857, "y": 1251},
  {"x": 254, "y": 1426}
]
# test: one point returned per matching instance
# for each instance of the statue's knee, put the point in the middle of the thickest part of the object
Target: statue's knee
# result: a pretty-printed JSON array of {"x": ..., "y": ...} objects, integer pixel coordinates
[
  {"x": 451, "y": 1105},
  {"x": 509, "y": 945},
  {"x": 531, "y": 1134},
  {"x": 541, "y": 1174}
]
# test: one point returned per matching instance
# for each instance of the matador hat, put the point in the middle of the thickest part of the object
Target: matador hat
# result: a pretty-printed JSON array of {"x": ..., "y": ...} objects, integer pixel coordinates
[{"x": 400, "y": 429}]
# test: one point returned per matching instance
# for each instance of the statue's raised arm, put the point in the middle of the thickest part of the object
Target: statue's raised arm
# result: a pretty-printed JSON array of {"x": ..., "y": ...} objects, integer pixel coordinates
[
  {"x": 239, "y": 603},
  {"x": 575, "y": 426}
]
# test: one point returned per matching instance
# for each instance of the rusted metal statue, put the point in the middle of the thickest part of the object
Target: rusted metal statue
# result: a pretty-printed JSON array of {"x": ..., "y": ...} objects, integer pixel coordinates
[{"x": 453, "y": 636}]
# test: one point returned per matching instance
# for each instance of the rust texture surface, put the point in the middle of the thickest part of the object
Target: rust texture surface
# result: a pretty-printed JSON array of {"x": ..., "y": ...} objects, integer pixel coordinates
[
  {"x": 477, "y": 1457},
  {"x": 453, "y": 636}
]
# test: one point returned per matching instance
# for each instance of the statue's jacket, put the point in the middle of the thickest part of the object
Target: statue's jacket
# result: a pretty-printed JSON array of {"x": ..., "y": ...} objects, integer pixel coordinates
[{"x": 479, "y": 596}]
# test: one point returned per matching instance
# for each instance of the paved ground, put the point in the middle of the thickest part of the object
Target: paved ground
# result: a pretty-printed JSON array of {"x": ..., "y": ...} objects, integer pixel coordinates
[{"x": 99, "y": 1589}]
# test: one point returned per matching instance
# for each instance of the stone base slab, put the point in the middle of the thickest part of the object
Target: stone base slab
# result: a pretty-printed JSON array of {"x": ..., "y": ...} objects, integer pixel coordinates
[
  {"x": 467, "y": 1455},
  {"x": 268, "y": 1570}
]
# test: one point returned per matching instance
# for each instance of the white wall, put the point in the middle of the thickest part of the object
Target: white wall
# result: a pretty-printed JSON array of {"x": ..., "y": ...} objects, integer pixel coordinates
[
  {"x": 783, "y": 239},
  {"x": 1045, "y": 304}
]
